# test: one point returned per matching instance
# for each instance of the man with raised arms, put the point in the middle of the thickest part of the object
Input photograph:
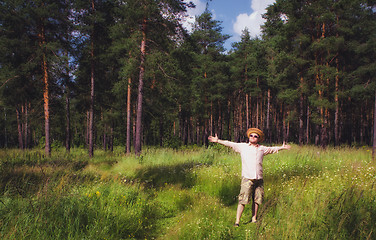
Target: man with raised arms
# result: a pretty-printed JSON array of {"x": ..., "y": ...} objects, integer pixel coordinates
[{"x": 252, "y": 155}]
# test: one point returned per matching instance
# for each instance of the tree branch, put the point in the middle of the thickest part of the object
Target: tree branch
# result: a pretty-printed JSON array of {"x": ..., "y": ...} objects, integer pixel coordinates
[
  {"x": 9, "y": 80},
  {"x": 164, "y": 73}
]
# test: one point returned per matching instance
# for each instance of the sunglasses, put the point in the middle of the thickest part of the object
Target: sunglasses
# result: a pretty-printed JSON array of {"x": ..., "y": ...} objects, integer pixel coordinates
[{"x": 254, "y": 136}]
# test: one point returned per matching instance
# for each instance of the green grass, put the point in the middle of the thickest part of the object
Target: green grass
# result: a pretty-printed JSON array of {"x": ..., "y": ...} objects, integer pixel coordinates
[{"x": 310, "y": 193}]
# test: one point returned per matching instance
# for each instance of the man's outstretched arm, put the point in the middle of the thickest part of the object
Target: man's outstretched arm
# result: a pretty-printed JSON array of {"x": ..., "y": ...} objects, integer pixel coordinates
[
  {"x": 226, "y": 143},
  {"x": 214, "y": 139},
  {"x": 284, "y": 146},
  {"x": 270, "y": 150}
]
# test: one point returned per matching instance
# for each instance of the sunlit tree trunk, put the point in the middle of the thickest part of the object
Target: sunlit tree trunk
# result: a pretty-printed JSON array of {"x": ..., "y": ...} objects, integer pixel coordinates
[
  {"x": 46, "y": 107},
  {"x": 92, "y": 82},
  {"x": 42, "y": 44},
  {"x": 128, "y": 147},
  {"x": 140, "y": 90}
]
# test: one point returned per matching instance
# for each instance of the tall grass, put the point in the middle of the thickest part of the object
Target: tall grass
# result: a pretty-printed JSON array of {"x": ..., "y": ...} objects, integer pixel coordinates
[{"x": 310, "y": 193}]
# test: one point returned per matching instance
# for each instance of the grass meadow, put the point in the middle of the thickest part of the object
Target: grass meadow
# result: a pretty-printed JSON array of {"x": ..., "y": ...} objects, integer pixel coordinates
[{"x": 190, "y": 193}]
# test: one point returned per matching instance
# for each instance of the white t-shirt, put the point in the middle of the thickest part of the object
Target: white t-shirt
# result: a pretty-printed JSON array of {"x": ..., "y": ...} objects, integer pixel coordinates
[{"x": 252, "y": 157}]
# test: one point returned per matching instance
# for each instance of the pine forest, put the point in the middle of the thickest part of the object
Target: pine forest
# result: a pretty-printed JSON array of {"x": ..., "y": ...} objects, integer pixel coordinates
[{"x": 102, "y": 73}]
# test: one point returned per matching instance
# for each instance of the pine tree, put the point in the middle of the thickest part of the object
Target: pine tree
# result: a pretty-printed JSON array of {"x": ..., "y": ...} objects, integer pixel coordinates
[
  {"x": 211, "y": 73},
  {"x": 318, "y": 38},
  {"x": 249, "y": 70},
  {"x": 40, "y": 34},
  {"x": 158, "y": 22},
  {"x": 94, "y": 20}
]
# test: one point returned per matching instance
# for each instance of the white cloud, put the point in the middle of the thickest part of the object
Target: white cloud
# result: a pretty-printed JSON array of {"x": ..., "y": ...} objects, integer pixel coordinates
[
  {"x": 193, "y": 12},
  {"x": 252, "y": 21}
]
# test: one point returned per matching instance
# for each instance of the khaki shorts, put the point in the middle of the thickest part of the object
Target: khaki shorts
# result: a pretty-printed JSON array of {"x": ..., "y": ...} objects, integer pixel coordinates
[{"x": 251, "y": 189}]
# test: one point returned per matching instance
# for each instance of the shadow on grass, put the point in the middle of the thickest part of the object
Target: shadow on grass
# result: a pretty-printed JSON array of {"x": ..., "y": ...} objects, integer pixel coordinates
[
  {"x": 77, "y": 217},
  {"x": 229, "y": 191},
  {"x": 25, "y": 178},
  {"x": 162, "y": 175},
  {"x": 351, "y": 215},
  {"x": 291, "y": 172}
]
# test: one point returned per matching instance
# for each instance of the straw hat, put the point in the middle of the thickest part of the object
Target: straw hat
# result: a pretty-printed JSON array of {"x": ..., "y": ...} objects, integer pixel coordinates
[{"x": 258, "y": 132}]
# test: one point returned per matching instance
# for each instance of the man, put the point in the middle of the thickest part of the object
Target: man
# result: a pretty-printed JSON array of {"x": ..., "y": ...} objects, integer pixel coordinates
[{"x": 252, "y": 154}]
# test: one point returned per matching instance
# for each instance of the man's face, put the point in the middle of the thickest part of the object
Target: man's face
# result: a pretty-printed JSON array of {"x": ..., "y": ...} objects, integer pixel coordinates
[{"x": 253, "y": 138}]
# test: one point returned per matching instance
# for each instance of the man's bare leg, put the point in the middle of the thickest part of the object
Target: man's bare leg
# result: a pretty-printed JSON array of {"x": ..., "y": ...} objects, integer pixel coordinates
[
  {"x": 254, "y": 211},
  {"x": 239, "y": 213}
]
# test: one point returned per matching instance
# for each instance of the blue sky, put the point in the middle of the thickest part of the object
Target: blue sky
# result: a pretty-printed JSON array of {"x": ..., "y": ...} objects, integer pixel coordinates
[{"x": 234, "y": 14}]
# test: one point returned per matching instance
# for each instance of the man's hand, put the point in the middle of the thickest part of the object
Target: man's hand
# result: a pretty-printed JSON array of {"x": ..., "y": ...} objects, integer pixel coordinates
[
  {"x": 213, "y": 139},
  {"x": 287, "y": 147}
]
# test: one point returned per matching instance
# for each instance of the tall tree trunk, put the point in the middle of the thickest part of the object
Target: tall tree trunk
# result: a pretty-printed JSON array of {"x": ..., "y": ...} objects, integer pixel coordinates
[
  {"x": 284, "y": 121},
  {"x": 323, "y": 110},
  {"x": 374, "y": 132},
  {"x": 229, "y": 119},
  {"x": 26, "y": 127},
  {"x": 257, "y": 105},
  {"x": 190, "y": 130},
  {"x": 281, "y": 129},
  {"x": 134, "y": 126},
  {"x": 5, "y": 129},
  {"x": 336, "y": 101},
  {"x": 288, "y": 130},
  {"x": 220, "y": 122},
  {"x": 67, "y": 107},
  {"x": 301, "y": 112},
  {"x": 240, "y": 124},
  {"x": 128, "y": 147},
  {"x": 161, "y": 131},
  {"x": 104, "y": 132},
  {"x": 112, "y": 137},
  {"x": 247, "y": 109},
  {"x": 307, "y": 125},
  {"x": 140, "y": 90},
  {"x": 45, "y": 95},
  {"x": 19, "y": 128},
  {"x": 198, "y": 136},
  {"x": 67, "y": 119},
  {"x": 211, "y": 118},
  {"x": 91, "y": 111},
  {"x": 320, "y": 109},
  {"x": 246, "y": 95},
  {"x": 362, "y": 124},
  {"x": 262, "y": 105},
  {"x": 237, "y": 115},
  {"x": 87, "y": 128},
  {"x": 92, "y": 82},
  {"x": 268, "y": 118}
]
